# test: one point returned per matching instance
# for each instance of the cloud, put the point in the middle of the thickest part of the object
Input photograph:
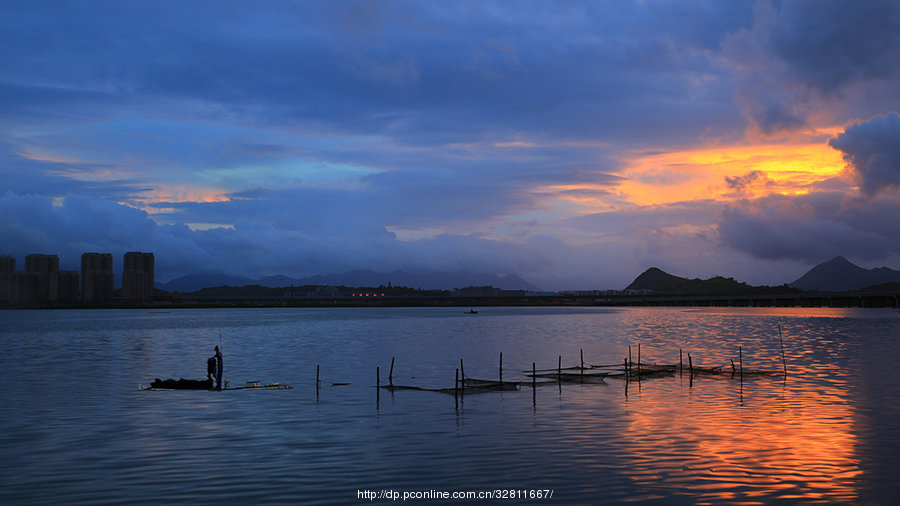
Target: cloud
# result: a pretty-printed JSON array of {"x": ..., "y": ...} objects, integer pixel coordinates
[
  {"x": 69, "y": 227},
  {"x": 872, "y": 149},
  {"x": 811, "y": 228},
  {"x": 805, "y": 60}
]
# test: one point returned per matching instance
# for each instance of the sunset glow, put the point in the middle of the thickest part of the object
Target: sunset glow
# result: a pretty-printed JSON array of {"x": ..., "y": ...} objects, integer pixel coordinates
[{"x": 726, "y": 173}]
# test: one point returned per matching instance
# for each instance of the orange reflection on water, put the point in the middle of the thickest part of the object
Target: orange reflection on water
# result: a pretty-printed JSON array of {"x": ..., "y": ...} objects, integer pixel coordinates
[{"x": 772, "y": 439}]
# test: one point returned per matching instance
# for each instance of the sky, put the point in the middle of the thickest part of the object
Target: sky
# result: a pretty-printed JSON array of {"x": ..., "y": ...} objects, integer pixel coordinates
[{"x": 574, "y": 144}]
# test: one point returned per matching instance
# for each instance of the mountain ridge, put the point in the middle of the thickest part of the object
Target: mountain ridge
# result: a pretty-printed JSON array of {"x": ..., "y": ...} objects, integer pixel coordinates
[
  {"x": 835, "y": 275},
  {"x": 356, "y": 278},
  {"x": 841, "y": 275}
]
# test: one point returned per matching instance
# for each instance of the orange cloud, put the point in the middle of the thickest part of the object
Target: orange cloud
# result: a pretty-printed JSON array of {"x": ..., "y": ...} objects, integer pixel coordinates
[
  {"x": 184, "y": 193},
  {"x": 727, "y": 172}
]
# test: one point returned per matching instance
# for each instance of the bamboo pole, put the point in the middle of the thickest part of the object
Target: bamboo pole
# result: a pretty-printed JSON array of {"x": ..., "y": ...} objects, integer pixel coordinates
[
  {"x": 783, "y": 362},
  {"x": 639, "y": 361},
  {"x": 559, "y": 374},
  {"x": 391, "y": 374},
  {"x": 582, "y": 364},
  {"x": 456, "y": 390},
  {"x": 501, "y": 367},
  {"x": 691, "y": 369},
  {"x": 462, "y": 371}
]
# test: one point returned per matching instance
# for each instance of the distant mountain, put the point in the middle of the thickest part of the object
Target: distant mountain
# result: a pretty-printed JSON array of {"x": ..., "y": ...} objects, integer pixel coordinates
[
  {"x": 839, "y": 275},
  {"x": 428, "y": 281},
  {"x": 194, "y": 282},
  {"x": 357, "y": 278},
  {"x": 661, "y": 282}
]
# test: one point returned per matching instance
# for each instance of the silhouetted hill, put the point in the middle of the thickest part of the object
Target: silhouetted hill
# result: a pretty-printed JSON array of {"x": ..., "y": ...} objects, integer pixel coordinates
[
  {"x": 661, "y": 282},
  {"x": 357, "y": 278},
  {"x": 839, "y": 275},
  {"x": 194, "y": 282}
]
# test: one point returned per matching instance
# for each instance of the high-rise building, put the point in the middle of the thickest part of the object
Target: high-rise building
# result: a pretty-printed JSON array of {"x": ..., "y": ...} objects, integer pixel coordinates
[
  {"x": 96, "y": 278},
  {"x": 137, "y": 278},
  {"x": 67, "y": 287},
  {"x": 7, "y": 272},
  {"x": 42, "y": 279}
]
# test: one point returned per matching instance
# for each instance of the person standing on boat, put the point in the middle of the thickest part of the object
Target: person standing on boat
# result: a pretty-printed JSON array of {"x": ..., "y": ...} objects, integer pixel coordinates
[
  {"x": 218, "y": 369},
  {"x": 210, "y": 369}
]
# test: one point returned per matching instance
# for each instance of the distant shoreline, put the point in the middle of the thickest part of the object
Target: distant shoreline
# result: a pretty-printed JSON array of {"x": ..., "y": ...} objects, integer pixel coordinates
[{"x": 804, "y": 299}]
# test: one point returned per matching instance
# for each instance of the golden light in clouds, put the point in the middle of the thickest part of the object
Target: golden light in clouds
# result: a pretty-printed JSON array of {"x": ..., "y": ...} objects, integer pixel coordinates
[
  {"x": 177, "y": 193},
  {"x": 185, "y": 193},
  {"x": 755, "y": 171}
]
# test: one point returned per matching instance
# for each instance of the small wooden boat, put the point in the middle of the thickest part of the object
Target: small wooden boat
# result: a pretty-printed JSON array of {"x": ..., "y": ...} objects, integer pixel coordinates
[{"x": 189, "y": 384}]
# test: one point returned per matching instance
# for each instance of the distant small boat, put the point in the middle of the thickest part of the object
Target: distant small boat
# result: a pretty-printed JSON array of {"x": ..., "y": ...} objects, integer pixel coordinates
[{"x": 471, "y": 311}]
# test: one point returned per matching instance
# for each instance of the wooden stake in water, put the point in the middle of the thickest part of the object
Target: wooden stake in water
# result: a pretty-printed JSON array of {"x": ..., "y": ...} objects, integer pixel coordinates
[
  {"x": 456, "y": 390},
  {"x": 691, "y": 370},
  {"x": 559, "y": 374},
  {"x": 582, "y": 364},
  {"x": 501, "y": 367},
  {"x": 680, "y": 361},
  {"x": 741, "y": 362},
  {"x": 462, "y": 371},
  {"x": 783, "y": 362},
  {"x": 391, "y": 374},
  {"x": 639, "y": 361}
]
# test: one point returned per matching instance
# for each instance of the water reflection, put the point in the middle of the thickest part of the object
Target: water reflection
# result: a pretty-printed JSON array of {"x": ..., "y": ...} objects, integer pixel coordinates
[{"x": 781, "y": 439}]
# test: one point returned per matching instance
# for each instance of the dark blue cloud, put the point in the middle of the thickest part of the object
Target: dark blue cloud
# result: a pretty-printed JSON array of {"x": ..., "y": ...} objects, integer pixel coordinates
[
  {"x": 812, "y": 228},
  {"x": 872, "y": 149},
  {"x": 803, "y": 58}
]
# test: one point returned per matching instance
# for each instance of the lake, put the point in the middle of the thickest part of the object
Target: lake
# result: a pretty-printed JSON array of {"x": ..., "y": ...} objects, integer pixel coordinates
[{"x": 75, "y": 428}]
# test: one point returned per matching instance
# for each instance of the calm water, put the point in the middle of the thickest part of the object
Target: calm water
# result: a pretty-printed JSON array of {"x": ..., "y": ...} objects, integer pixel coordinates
[{"x": 75, "y": 428}]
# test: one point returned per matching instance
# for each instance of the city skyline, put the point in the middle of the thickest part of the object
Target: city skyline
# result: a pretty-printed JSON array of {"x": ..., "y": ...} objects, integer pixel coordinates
[
  {"x": 572, "y": 144},
  {"x": 41, "y": 281}
]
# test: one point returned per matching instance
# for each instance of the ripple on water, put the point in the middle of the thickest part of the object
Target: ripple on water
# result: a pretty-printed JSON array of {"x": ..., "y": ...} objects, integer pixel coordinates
[{"x": 85, "y": 434}]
